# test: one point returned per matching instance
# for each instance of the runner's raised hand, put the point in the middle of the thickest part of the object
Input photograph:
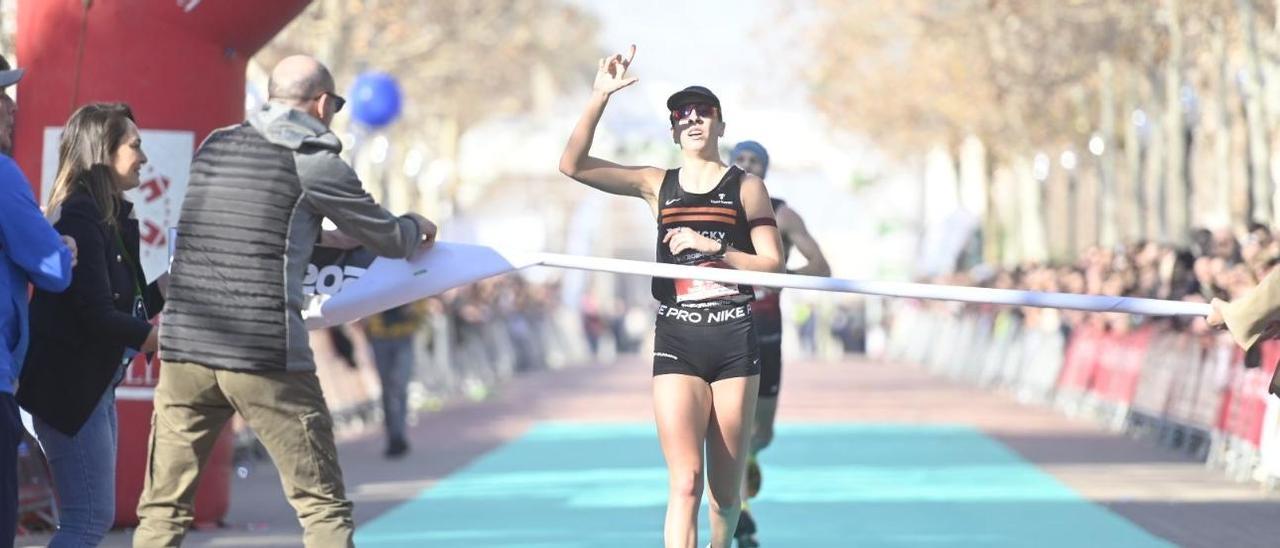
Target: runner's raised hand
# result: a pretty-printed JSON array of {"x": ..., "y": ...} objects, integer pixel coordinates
[{"x": 612, "y": 75}]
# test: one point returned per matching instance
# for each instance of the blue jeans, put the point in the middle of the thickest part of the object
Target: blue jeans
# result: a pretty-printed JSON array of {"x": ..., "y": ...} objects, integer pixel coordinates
[
  {"x": 84, "y": 474},
  {"x": 394, "y": 359}
]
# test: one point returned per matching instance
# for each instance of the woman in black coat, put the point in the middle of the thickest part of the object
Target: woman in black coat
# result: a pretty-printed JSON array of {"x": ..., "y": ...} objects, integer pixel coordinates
[{"x": 82, "y": 339}]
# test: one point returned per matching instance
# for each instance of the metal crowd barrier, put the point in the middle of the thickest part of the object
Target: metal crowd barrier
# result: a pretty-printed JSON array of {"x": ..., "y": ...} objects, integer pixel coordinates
[{"x": 1190, "y": 392}]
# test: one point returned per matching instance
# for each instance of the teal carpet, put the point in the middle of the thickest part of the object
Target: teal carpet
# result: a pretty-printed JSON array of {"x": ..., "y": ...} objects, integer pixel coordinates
[{"x": 589, "y": 485}]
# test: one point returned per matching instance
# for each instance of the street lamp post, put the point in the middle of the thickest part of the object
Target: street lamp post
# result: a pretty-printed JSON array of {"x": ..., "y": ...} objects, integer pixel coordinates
[
  {"x": 1068, "y": 161},
  {"x": 1097, "y": 146},
  {"x": 1040, "y": 172},
  {"x": 1142, "y": 130}
]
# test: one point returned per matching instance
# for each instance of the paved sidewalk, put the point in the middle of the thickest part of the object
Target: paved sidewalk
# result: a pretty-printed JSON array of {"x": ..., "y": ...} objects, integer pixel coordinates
[{"x": 1168, "y": 496}]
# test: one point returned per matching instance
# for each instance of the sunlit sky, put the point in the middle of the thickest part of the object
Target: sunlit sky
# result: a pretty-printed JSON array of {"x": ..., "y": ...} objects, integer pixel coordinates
[{"x": 737, "y": 49}]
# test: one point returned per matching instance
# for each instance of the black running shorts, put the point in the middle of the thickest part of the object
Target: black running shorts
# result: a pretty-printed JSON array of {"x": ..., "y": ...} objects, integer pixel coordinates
[
  {"x": 770, "y": 368},
  {"x": 711, "y": 344}
]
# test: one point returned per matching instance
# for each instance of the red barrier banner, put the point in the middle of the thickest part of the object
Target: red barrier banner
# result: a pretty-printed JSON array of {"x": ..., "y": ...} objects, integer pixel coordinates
[
  {"x": 1081, "y": 360},
  {"x": 1119, "y": 365},
  {"x": 1246, "y": 399}
]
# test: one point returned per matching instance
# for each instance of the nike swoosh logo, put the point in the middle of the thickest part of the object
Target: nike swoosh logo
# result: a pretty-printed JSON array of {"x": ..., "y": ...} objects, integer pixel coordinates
[{"x": 669, "y": 202}]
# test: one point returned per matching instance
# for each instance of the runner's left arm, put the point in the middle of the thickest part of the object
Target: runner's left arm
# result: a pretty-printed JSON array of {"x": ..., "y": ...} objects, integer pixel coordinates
[{"x": 764, "y": 231}]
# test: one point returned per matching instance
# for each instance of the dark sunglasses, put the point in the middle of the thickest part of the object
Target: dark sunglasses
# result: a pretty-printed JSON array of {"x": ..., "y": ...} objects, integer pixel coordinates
[
  {"x": 338, "y": 100},
  {"x": 683, "y": 113}
]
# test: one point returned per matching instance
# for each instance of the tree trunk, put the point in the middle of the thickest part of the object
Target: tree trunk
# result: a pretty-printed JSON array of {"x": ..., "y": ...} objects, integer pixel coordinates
[
  {"x": 1031, "y": 212},
  {"x": 975, "y": 193},
  {"x": 1108, "y": 229},
  {"x": 1178, "y": 220},
  {"x": 1153, "y": 184},
  {"x": 1006, "y": 202},
  {"x": 1268, "y": 55},
  {"x": 1260, "y": 183},
  {"x": 334, "y": 52},
  {"x": 1223, "y": 181},
  {"x": 1134, "y": 211}
]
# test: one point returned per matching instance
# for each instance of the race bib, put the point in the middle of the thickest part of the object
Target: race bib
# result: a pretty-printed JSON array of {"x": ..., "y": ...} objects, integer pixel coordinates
[{"x": 702, "y": 290}]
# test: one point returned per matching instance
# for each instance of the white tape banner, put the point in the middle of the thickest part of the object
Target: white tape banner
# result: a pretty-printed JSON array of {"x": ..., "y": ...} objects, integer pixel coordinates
[{"x": 346, "y": 286}]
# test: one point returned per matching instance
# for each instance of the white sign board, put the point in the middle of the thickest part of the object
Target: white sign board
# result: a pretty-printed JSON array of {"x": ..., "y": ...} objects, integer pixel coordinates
[{"x": 157, "y": 202}]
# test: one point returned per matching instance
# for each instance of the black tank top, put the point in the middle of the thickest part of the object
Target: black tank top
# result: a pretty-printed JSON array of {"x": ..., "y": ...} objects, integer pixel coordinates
[{"x": 718, "y": 215}]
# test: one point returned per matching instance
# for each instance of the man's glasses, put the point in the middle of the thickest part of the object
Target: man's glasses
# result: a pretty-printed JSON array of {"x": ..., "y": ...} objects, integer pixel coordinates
[
  {"x": 338, "y": 102},
  {"x": 685, "y": 112}
]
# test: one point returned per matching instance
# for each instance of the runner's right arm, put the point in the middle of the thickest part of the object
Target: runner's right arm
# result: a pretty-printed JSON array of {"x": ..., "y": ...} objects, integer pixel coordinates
[
  {"x": 791, "y": 225},
  {"x": 577, "y": 162}
]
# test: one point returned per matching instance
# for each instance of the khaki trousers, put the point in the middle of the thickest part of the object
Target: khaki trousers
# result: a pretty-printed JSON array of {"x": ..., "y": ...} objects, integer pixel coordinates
[{"x": 286, "y": 410}]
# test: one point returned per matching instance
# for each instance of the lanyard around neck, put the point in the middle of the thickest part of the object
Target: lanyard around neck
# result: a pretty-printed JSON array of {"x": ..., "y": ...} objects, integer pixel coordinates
[{"x": 133, "y": 274}]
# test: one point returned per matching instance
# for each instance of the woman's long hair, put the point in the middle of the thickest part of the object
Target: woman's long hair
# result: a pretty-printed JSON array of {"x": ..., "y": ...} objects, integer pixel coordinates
[{"x": 91, "y": 137}]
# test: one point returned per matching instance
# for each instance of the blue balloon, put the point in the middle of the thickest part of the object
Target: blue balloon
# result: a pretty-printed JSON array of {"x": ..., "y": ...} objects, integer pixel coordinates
[{"x": 375, "y": 99}]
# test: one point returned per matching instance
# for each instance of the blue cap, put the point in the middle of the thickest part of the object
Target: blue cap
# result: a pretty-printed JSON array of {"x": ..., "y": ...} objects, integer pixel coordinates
[{"x": 754, "y": 148}]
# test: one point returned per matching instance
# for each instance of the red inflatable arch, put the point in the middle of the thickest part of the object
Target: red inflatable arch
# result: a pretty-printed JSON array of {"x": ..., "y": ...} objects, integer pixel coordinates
[{"x": 181, "y": 65}]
